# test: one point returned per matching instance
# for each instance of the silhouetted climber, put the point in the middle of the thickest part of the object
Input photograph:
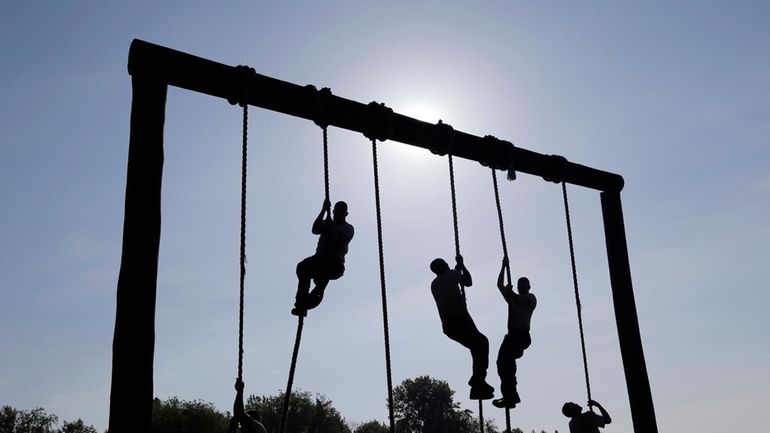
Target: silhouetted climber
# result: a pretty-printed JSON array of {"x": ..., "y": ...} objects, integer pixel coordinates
[
  {"x": 585, "y": 422},
  {"x": 457, "y": 323},
  {"x": 520, "y": 308},
  {"x": 249, "y": 420},
  {"x": 328, "y": 262}
]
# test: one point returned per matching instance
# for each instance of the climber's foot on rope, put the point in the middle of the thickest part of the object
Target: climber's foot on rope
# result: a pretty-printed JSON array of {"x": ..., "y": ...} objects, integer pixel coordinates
[
  {"x": 509, "y": 401},
  {"x": 313, "y": 299},
  {"x": 308, "y": 302},
  {"x": 481, "y": 390},
  {"x": 299, "y": 311}
]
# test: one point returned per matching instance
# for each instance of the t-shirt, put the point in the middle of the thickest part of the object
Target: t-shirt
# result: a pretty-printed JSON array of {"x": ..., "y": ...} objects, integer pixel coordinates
[
  {"x": 334, "y": 239},
  {"x": 586, "y": 422},
  {"x": 520, "y": 310},
  {"x": 446, "y": 292}
]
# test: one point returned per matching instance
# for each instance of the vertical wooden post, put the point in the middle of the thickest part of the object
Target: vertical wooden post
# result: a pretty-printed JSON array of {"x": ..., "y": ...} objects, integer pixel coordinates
[
  {"x": 134, "y": 339},
  {"x": 634, "y": 366}
]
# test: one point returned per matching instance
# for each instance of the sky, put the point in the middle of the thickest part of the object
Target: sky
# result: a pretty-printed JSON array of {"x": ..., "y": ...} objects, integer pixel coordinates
[{"x": 675, "y": 97}]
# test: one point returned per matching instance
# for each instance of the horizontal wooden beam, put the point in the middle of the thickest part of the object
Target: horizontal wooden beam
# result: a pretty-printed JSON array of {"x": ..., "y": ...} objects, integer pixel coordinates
[{"x": 243, "y": 85}]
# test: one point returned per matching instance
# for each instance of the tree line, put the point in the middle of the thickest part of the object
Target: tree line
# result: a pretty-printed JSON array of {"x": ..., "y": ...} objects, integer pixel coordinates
[
  {"x": 38, "y": 421},
  {"x": 420, "y": 405}
]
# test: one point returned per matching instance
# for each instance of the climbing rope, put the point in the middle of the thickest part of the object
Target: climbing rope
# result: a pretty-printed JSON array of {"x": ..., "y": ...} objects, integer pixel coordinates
[
  {"x": 326, "y": 164},
  {"x": 241, "y": 93},
  {"x": 454, "y": 205},
  {"x": 457, "y": 234},
  {"x": 508, "y": 420},
  {"x": 502, "y": 224},
  {"x": 301, "y": 321},
  {"x": 287, "y": 395},
  {"x": 481, "y": 416},
  {"x": 457, "y": 241},
  {"x": 380, "y": 124},
  {"x": 507, "y": 266},
  {"x": 382, "y": 286},
  {"x": 454, "y": 211},
  {"x": 577, "y": 292},
  {"x": 244, "y": 160}
]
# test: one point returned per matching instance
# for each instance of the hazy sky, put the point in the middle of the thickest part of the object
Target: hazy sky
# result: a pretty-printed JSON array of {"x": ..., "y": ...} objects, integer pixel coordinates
[{"x": 674, "y": 97}]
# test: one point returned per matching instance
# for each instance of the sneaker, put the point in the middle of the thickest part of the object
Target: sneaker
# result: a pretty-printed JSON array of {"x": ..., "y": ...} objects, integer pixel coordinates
[{"x": 299, "y": 312}]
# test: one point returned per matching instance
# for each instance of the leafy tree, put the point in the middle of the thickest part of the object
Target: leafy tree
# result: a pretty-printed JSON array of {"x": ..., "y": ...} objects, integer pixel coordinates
[
  {"x": 26, "y": 421},
  {"x": 8, "y": 419},
  {"x": 76, "y": 427},
  {"x": 490, "y": 427},
  {"x": 181, "y": 416},
  {"x": 307, "y": 414},
  {"x": 426, "y": 405},
  {"x": 372, "y": 427}
]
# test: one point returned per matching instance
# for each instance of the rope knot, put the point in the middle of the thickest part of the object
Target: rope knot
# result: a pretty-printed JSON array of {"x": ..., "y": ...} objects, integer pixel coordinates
[
  {"x": 491, "y": 148},
  {"x": 243, "y": 83},
  {"x": 556, "y": 167},
  {"x": 499, "y": 155},
  {"x": 320, "y": 100},
  {"x": 379, "y": 121},
  {"x": 509, "y": 149},
  {"x": 443, "y": 137}
]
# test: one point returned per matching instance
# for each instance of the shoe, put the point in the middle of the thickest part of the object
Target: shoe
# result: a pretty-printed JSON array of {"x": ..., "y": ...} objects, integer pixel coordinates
[
  {"x": 299, "y": 312},
  {"x": 482, "y": 391},
  {"x": 507, "y": 402},
  {"x": 502, "y": 403},
  {"x": 312, "y": 300},
  {"x": 481, "y": 394}
]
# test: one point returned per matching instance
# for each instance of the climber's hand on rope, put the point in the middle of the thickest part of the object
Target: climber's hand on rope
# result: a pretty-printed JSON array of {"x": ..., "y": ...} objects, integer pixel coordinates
[{"x": 239, "y": 385}]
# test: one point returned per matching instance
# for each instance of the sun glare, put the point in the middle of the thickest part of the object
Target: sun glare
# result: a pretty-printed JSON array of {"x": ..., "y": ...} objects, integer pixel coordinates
[{"x": 424, "y": 112}]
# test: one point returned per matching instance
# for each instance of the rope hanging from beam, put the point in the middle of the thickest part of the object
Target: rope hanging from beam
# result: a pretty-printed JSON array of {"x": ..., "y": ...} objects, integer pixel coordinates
[
  {"x": 444, "y": 145},
  {"x": 244, "y": 80},
  {"x": 501, "y": 224},
  {"x": 381, "y": 129},
  {"x": 321, "y": 113},
  {"x": 383, "y": 290},
  {"x": 577, "y": 291},
  {"x": 505, "y": 256},
  {"x": 301, "y": 319},
  {"x": 244, "y": 161}
]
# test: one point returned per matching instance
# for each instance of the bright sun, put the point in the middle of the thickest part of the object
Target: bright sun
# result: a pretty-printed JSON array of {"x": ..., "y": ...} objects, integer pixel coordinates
[{"x": 424, "y": 112}]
